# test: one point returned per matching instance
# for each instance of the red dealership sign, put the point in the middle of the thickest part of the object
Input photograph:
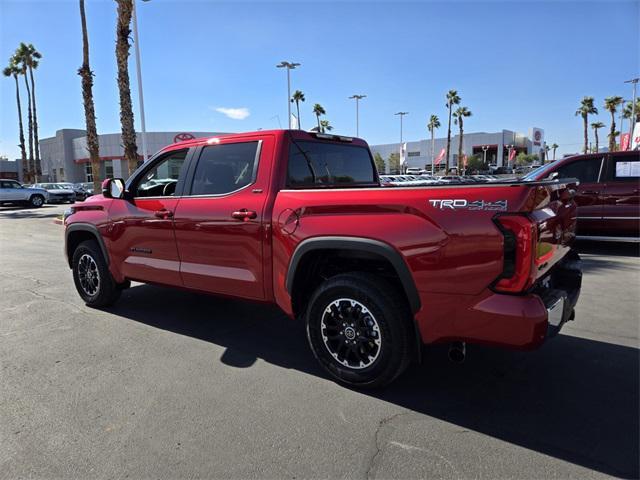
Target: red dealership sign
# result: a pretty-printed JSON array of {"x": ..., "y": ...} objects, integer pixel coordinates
[
  {"x": 181, "y": 137},
  {"x": 625, "y": 140}
]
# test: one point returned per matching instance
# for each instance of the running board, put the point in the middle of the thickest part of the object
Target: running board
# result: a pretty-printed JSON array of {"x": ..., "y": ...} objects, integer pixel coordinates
[{"x": 608, "y": 239}]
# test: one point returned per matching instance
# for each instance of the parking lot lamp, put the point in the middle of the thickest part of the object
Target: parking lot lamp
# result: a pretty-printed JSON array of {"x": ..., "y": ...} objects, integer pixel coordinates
[
  {"x": 289, "y": 66},
  {"x": 136, "y": 45},
  {"x": 634, "y": 82},
  {"x": 357, "y": 99},
  {"x": 401, "y": 114}
]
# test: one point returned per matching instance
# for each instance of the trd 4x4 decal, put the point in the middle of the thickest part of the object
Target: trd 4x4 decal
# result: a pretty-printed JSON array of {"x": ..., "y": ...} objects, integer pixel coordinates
[{"x": 461, "y": 203}]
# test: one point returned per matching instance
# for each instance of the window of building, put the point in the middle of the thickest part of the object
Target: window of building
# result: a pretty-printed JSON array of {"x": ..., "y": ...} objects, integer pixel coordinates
[
  {"x": 587, "y": 171},
  {"x": 88, "y": 172},
  {"x": 225, "y": 168},
  {"x": 413, "y": 154},
  {"x": 61, "y": 174},
  {"x": 108, "y": 168}
]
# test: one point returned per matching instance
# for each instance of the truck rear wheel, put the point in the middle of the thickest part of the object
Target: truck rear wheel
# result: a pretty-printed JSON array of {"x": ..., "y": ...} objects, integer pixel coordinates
[
  {"x": 359, "y": 329},
  {"x": 91, "y": 276}
]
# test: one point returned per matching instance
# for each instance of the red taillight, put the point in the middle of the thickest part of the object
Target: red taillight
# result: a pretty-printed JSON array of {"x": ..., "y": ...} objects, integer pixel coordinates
[{"x": 520, "y": 239}]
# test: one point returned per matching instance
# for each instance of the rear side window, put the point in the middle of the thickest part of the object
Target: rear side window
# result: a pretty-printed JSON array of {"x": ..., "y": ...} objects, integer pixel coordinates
[
  {"x": 318, "y": 164},
  {"x": 225, "y": 168},
  {"x": 587, "y": 171}
]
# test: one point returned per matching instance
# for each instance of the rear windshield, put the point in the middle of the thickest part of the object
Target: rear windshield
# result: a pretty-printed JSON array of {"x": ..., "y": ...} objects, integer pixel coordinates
[{"x": 323, "y": 164}]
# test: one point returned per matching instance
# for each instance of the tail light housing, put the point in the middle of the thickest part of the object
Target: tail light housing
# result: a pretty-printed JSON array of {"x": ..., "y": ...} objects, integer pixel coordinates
[{"x": 520, "y": 240}]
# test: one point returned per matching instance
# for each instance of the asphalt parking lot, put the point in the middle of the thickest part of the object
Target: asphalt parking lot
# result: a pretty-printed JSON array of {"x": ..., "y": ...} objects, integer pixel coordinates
[{"x": 171, "y": 384}]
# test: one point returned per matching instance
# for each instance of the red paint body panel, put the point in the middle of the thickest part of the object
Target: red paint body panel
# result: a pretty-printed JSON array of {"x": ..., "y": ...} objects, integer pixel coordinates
[{"x": 454, "y": 255}]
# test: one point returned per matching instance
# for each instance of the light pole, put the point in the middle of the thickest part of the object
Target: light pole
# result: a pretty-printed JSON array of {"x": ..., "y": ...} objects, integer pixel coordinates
[
  {"x": 357, "y": 99},
  {"x": 509, "y": 148},
  {"x": 634, "y": 82},
  {"x": 401, "y": 114},
  {"x": 289, "y": 66},
  {"x": 484, "y": 154},
  {"x": 136, "y": 45}
]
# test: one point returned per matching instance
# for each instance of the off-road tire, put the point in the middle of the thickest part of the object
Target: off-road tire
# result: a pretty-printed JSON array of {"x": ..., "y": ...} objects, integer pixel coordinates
[
  {"x": 88, "y": 257},
  {"x": 390, "y": 312}
]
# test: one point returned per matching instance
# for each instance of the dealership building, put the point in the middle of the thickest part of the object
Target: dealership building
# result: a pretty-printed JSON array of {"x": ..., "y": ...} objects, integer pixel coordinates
[
  {"x": 497, "y": 145},
  {"x": 65, "y": 157}
]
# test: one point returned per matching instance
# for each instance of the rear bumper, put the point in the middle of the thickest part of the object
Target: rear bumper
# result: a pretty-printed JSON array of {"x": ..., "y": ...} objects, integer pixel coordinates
[{"x": 510, "y": 321}]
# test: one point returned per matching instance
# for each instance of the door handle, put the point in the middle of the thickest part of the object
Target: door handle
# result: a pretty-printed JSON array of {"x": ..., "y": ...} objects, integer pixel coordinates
[
  {"x": 589, "y": 192},
  {"x": 244, "y": 214},
  {"x": 164, "y": 214}
]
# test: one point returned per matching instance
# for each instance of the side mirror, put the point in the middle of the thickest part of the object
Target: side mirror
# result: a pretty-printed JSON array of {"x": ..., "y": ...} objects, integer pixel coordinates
[{"x": 113, "y": 188}]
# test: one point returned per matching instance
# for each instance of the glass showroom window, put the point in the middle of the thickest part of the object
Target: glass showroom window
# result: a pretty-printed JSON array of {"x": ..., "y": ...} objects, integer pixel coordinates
[
  {"x": 88, "y": 173},
  {"x": 108, "y": 168}
]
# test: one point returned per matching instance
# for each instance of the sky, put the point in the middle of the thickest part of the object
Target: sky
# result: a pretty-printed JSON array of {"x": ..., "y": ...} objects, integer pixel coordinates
[{"x": 210, "y": 65}]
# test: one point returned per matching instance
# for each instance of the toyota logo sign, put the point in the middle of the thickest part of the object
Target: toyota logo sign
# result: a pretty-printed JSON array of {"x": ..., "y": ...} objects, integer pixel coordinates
[{"x": 181, "y": 137}]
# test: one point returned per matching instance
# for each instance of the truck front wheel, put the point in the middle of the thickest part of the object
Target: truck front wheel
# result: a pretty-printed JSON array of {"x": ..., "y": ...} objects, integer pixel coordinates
[
  {"x": 91, "y": 276},
  {"x": 359, "y": 329}
]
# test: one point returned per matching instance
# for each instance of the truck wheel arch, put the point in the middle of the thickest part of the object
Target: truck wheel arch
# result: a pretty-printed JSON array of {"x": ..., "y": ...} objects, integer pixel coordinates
[
  {"x": 79, "y": 232},
  {"x": 357, "y": 244}
]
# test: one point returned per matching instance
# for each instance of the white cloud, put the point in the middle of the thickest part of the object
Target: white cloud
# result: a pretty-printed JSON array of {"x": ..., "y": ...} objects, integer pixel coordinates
[{"x": 234, "y": 113}]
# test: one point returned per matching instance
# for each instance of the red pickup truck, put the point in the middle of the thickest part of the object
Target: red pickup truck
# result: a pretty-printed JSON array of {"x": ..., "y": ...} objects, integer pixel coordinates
[{"x": 300, "y": 220}]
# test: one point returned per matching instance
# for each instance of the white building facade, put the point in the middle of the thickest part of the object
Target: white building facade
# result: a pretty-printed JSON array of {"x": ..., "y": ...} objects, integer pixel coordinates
[{"x": 497, "y": 144}]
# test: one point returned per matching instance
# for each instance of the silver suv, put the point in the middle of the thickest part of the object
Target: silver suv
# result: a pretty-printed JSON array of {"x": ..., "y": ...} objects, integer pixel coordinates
[{"x": 16, "y": 194}]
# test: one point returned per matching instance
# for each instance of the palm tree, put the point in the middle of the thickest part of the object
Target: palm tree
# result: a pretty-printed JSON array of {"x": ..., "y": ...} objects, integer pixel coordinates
[
  {"x": 318, "y": 110},
  {"x": 123, "y": 31},
  {"x": 586, "y": 108},
  {"x": 554, "y": 147},
  {"x": 325, "y": 126},
  {"x": 596, "y": 126},
  {"x": 611, "y": 104},
  {"x": 452, "y": 99},
  {"x": 296, "y": 98},
  {"x": 89, "y": 109},
  {"x": 434, "y": 123},
  {"x": 17, "y": 58},
  {"x": 459, "y": 115},
  {"x": 628, "y": 110},
  {"x": 30, "y": 57},
  {"x": 13, "y": 70}
]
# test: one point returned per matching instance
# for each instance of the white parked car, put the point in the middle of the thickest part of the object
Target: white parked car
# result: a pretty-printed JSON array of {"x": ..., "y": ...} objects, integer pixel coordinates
[
  {"x": 58, "y": 192},
  {"x": 12, "y": 192}
]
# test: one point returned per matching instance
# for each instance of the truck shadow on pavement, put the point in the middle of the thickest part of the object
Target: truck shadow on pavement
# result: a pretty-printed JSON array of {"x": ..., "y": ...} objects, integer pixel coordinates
[
  {"x": 574, "y": 399},
  {"x": 46, "y": 211}
]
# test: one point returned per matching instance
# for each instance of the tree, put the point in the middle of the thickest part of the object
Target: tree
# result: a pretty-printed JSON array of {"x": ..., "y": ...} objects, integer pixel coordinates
[
  {"x": 89, "y": 109},
  {"x": 13, "y": 70},
  {"x": 379, "y": 161},
  {"x": 318, "y": 110},
  {"x": 526, "y": 159},
  {"x": 31, "y": 167},
  {"x": 611, "y": 104},
  {"x": 452, "y": 99},
  {"x": 475, "y": 163},
  {"x": 554, "y": 147},
  {"x": 596, "y": 126},
  {"x": 325, "y": 126},
  {"x": 586, "y": 108},
  {"x": 296, "y": 98},
  {"x": 434, "y": 124},
  {"x": 628, "y": 110},
  {"x": 394, "y": 163},
  {"x": 123, "y": 31},
  {"x": 459, "y": 115},
  {"x": 30, "y": 57}
]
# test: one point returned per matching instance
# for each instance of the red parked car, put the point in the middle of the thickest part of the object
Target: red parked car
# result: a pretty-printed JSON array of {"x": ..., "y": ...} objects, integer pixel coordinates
[
  {"x": 300, "y": 220},
  {"x": 608, "y": 195}
]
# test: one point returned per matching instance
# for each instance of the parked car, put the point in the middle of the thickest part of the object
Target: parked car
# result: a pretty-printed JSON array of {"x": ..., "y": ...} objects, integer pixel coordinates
[
  {"x": 87, "y": 187},
  {"x": 608, "y": 195},
  {"x": 12, "y": 192},
  {"x": 58, "y": 193},
  {"x": 299, "y": 220},
  {"x": 78, "y": 189}
]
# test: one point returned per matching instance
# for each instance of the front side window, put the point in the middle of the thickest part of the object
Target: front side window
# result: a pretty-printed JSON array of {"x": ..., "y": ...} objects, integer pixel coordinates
[
  {"x": 225, "y": 168},
  {"x": 318, "y": 164},
  {"x": 161, "y": 179},
  {"x": 587, "y": 171}
]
